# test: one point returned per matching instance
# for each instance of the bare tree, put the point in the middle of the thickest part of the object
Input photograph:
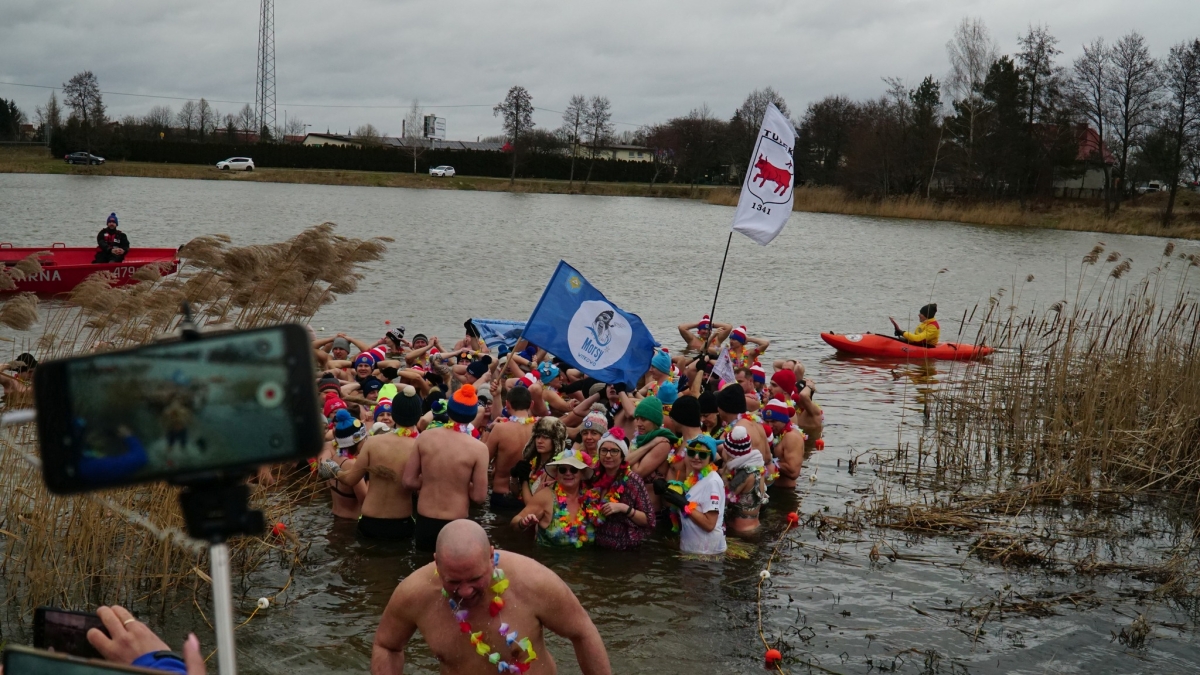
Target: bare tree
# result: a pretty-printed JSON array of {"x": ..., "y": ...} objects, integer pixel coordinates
[
  {"x": 207, "y": 118},
  {"x": 367, "y": 134},
  {"x": 517, "y": 112},
  {"x": 293, "y": 127},
  {"x": 572, "y": 129},
  {"x": 1133, "y": 90},
  {"x": 159, "y": 118},
  {"x": 82, "y": 95},
  {"x": 1038, "y": 72},
  {"x": 414, "y": 132},
  {"x": 1182, "y": 71},
  {"x": 186, "y": 118},
  {"x": 754, "y": 108},
  {"x": 1089, "y": 88},
  {"x": 972, "y": 52},
  {"x": 51, "y": 119},
  {"x": 598, "y": 130},
  {"x": 230, "y": 124},
  {"x": 246, "y": 119}
]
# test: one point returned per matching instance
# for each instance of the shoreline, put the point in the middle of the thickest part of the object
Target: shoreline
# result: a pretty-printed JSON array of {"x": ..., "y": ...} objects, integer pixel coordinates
[{"x": 1139, "y": 216}]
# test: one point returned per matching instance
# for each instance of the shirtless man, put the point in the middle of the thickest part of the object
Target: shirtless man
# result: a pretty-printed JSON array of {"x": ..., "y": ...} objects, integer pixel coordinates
[
  {"x": 449, "y": 469},
  {"x": 505, "y": 444},
  {"x": 696, "y": 341},
  {"x": 789, "y": 442},
  {"x": 387, "y": 508},
  {"x": 463, "y": 578},
  {"x": 809, "y": 417}
]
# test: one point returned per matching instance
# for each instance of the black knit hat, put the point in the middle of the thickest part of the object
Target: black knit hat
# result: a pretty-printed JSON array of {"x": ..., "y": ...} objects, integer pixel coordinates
[
  {"x": 732, "y": 399},
  {"x": 686, "y": 411},
  {"x": 929, "y": 310},
  {"x": 708, "y": 403},
  {"x": 406, "y": 407},
  {"x": 479, "y": 367}
]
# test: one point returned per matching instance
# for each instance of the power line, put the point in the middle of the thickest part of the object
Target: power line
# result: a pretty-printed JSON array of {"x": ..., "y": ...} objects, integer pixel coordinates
[{"x": 303, "y": 105}]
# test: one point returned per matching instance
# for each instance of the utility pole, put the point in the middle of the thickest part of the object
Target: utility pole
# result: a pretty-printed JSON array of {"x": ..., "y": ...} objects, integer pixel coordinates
[{"x": 264, "y": 88}]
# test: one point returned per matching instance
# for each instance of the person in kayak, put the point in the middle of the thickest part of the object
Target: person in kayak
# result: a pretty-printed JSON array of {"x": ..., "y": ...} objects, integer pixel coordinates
[
  {"x": 112, "y": 244},
  {"x": 927, "y": 331}
]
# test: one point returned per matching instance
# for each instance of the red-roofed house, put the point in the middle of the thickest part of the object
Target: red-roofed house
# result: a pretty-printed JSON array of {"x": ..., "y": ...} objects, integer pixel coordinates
[{"x": 1090, "y": 183}]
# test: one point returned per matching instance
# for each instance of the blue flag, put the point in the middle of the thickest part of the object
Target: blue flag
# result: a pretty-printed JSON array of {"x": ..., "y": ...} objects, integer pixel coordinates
[
  {"x": 496, "y": 332},
  {"x": 576, "y": 323}
]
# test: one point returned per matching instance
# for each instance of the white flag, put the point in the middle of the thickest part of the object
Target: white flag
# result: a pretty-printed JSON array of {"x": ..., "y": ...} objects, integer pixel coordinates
[
  {"x": 766, "y": 200},
  {"x": 723, "y": 366}
]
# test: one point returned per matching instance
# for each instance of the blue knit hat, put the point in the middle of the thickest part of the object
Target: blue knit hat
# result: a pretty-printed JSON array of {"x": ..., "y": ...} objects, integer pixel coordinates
[
  {"x": 347, "y": 430},
  {"x": 548, "y": 371},
  {"x": 668, "y": 392},
  {"x": 463, "y": 405},
  {"x": 661, "y": 362},
  {"x": 112, "y": 218},
  {"x": 706, "y": 442}
]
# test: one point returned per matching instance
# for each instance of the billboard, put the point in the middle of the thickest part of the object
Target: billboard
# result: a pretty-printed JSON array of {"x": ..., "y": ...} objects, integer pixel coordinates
[{"x": 435, "y": 127}]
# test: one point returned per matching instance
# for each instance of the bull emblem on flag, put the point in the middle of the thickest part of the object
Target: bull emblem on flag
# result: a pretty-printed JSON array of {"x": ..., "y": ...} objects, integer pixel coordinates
[
  {"x": 768, "y": 172},
  {"x": 773, "y": 172}
]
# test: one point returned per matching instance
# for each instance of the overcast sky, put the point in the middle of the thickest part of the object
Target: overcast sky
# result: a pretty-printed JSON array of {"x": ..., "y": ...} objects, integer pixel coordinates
[{"x": 654, "y": 60}]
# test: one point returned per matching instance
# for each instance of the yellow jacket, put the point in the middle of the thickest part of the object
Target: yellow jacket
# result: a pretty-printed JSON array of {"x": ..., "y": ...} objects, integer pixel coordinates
[{"x": 926, "y": 333}]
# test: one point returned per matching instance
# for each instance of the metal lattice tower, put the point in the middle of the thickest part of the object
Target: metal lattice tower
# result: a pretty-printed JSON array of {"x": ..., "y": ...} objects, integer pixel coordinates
[{"x": 264, "y": 88}]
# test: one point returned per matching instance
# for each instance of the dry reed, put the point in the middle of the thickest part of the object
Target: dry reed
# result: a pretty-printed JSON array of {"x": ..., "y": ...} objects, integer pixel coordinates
[{"x": 76, "y": 551}]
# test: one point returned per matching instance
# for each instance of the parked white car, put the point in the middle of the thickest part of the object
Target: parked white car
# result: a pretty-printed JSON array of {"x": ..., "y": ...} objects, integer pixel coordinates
[
  {"x": 236, "y": 164},
  {"x": 442, "y": 170}
]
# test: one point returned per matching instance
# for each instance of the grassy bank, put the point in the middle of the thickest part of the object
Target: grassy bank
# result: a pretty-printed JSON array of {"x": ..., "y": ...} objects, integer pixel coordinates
[
  {"x": 1140, "y": 216},
  {"x": 37, "y": 160}
]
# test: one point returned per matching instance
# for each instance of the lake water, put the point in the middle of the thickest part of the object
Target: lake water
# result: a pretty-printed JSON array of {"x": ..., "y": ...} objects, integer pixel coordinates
[{"x": 465, "y": 254}]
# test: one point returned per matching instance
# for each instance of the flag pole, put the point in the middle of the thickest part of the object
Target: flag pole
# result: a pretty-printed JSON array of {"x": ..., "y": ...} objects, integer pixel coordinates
[{"x": 712, "y": 324}]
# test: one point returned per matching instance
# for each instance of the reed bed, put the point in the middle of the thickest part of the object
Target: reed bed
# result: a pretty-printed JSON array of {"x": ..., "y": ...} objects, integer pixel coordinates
[
  {"x": 1142, "y": 216},
  {"x": 116, "y": 546}
]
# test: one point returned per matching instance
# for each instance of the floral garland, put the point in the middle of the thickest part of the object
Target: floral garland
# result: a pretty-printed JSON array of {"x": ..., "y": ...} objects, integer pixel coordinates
[
  {"x": 516, "y": 644},
  {"x": 580, "y": 530},
  {"x": 610, "y": 489},
  {"x": 688, "y": 483},
  {"x": 407, "y": 432},
  {"x": 519, "y": 420},
  {"x": 453, "y": 426},
  {"x": 677, "y": 453},
  {"x": 748, "y": 416}
]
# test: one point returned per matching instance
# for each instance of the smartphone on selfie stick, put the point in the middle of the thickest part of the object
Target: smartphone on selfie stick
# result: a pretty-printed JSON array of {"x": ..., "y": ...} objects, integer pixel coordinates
[{"x": 200, "y": 411}]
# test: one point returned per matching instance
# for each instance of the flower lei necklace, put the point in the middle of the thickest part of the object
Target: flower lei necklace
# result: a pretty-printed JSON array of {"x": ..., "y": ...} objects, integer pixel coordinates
[
  {"x": 453, "y": 426},
  {"x": 610, "y": 488},
  {"x": 521, "y": 420},
  {"x": 407, "y": 432},
  {"x": 688, "y": 483},
  {"x": 516, "y": 644},
  {"x": 580, "y": 530}
]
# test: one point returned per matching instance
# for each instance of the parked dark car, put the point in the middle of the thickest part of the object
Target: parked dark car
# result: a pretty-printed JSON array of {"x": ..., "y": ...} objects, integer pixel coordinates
[{"x": 83, "y": 158}]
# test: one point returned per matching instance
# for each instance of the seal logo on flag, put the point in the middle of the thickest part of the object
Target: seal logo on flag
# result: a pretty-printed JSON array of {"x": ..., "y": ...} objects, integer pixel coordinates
[
  {"x": 770, "y": 177},
  {"x": 598, "y": 335},
  {"x": 574, "y": 283}
]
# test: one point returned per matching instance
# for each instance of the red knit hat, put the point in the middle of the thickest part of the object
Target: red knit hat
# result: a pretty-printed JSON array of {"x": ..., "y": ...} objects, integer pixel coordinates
[
  {"x": 777, "y": 411},
  {"x": 739, "y": 334},
  {"x": 705, "y": 323},
  {"x": 333, "y": 403},
  {"x": 529, "y": 379},
  {"x": 758, "y": 372},
  {"x": 786, "y": 380}
]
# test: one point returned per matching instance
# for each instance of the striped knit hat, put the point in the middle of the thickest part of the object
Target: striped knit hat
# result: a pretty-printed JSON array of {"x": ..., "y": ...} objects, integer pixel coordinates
[
  {"x": 463, "y": 405},
  {"x": 705, "y": 323},
  {"x": 758, "y": 373},
  {"x": 777, "y": 411},
  {"x": 737, "y": 442},
  {"x": 739, "y": 334}
]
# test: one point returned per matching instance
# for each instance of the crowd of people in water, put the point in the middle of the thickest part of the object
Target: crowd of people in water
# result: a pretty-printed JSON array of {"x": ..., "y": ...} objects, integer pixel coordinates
[{"x": 419, "y": 431}]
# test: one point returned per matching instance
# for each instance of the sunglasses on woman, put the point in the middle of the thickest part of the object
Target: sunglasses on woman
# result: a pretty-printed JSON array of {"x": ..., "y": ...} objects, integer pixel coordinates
[
  {"x": 567, "y": 469},
  {"x": 698, "y": 454}
]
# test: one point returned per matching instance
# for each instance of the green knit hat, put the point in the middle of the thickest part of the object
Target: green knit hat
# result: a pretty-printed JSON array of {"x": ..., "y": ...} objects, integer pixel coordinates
[{"x": 650, "y": 408}]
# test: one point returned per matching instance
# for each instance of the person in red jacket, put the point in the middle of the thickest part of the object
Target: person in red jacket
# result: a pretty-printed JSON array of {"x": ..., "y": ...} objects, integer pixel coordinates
[{"x": 111, "y": 243}]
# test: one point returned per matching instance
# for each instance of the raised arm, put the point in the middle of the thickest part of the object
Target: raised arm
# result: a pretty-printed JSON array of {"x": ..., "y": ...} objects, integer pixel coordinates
[
  {"x": 722, "y": 331},
  {"x": 685, "y": 332},
  {"x": 561, "y": 612},
  {"x": 479, "y": 477},
  {"x": 761, "y": 344},
  {"x": 412, "y": 469}
]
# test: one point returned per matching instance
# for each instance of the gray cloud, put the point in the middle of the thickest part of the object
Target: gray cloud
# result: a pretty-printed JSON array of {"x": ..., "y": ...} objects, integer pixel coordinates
[{"x": 653, "y": 59}]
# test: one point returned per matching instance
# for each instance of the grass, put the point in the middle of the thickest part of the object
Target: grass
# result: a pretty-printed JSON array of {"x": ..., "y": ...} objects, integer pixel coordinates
[
  {"x": 1140, "y": 216},
  {"x": 75, "y": 551}
]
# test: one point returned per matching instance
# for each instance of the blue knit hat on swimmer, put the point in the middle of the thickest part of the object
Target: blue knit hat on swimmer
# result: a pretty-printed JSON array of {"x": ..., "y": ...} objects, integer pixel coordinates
[
  {"x": 347, "y": 430},
  {"x": 112, "y": 218},
  {"x": 661, "y": 362},
  {"x": 548, "y": 371},
  {"x": 704, "y": 442},
  {"x": 463, "y": 405},
  {"x": 667, "y": 393}
]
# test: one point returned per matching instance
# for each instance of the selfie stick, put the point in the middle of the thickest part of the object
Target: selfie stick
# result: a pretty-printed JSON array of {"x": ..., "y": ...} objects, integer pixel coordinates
[{"x": 216, "y": 507}]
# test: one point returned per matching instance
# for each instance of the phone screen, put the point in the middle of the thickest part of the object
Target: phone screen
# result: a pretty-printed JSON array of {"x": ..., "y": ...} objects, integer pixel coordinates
[
  {"x": 25, "y": 661},
  {"x": 179, "y": 408},
  {"x": 66, "y": 632}
]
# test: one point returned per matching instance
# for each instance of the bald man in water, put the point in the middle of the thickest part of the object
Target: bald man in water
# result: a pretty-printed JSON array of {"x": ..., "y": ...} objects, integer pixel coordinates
[{"x": 462, "y": 571}]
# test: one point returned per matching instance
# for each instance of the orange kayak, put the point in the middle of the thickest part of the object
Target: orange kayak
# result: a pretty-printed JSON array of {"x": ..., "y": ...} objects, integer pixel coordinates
[{"x": 882, "y": 346}]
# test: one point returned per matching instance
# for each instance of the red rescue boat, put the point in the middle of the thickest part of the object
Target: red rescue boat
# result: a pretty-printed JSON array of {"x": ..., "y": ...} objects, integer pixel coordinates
[
  {"x": 64, "y": 268},
  {"x": 882, "y": 346}
]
